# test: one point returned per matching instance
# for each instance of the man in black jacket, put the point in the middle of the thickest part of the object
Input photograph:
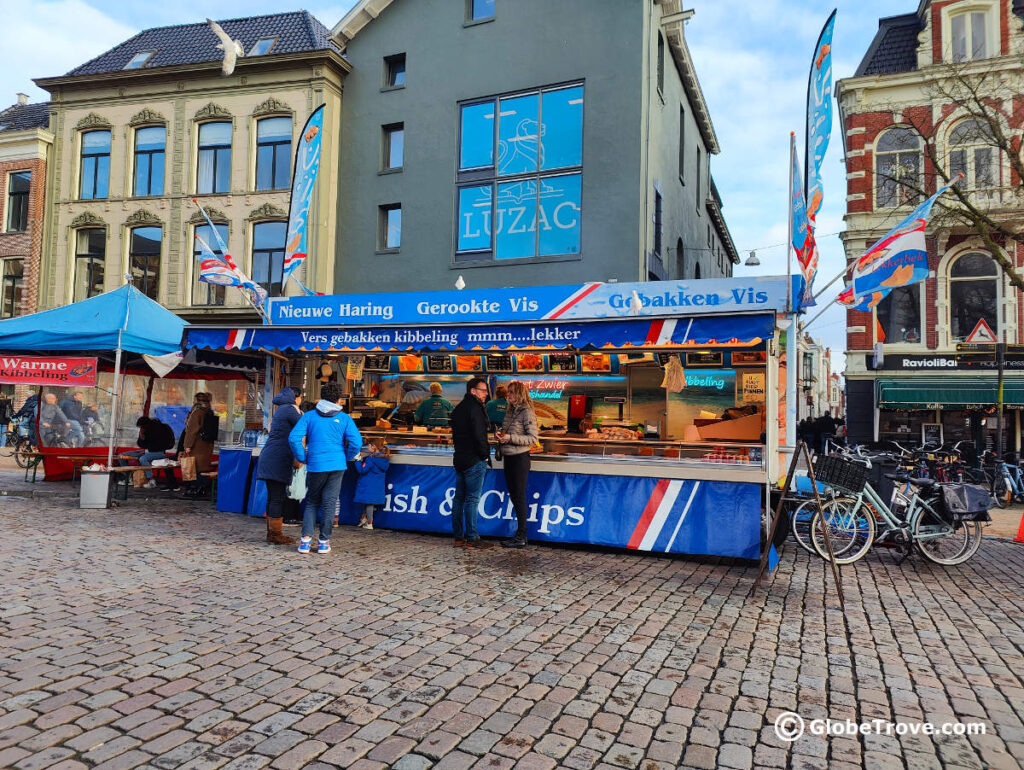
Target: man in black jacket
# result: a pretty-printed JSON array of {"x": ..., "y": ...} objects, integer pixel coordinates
[{"x": 472, "y": 458}]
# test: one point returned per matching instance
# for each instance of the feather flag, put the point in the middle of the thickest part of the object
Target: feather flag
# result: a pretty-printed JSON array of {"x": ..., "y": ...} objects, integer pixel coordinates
[
  {"x": 307, "y": 164},
  {"x": 802, "y": 234},
  {"x": 819, "y": 118}
]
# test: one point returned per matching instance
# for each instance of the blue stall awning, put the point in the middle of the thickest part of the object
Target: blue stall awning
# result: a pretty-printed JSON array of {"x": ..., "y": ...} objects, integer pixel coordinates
[{"x": 704, "y": 331}]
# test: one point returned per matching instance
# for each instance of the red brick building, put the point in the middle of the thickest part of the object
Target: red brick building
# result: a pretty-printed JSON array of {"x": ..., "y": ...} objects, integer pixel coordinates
[
  {"x": 902, "y": 129},
  {"x": 25, "y": 143}
]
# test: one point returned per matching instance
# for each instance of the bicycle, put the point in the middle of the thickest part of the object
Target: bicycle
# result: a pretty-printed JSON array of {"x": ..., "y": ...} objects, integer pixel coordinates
[
  {"x": 16, "y": 442},
  {"x": 1007, "y": 483},
  {"x": 914, "y": 522}
]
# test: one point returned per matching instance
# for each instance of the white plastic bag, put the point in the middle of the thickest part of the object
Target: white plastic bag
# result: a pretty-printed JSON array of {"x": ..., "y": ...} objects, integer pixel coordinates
[{"x": 297, "y": 489}]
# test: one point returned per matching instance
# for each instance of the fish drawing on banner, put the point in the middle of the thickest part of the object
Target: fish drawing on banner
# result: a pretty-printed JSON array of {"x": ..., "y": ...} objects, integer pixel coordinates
[{"x": 307, "y": 166}]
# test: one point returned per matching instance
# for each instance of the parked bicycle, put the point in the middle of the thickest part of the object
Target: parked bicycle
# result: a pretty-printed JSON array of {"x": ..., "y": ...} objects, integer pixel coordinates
[{"x": 16, "y": 442}]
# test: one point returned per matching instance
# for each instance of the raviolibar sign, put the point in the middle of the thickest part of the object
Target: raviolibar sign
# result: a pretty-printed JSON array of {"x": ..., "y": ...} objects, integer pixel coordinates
[
  {"x": 538, "y": 303},
  {"x": 938, "y": 362},
  {"x": 30, "y": 370}
]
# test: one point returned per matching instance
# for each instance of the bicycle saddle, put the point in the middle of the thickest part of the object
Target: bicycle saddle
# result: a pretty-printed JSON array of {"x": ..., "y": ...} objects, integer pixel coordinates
[{"x": 915, "y": 482}]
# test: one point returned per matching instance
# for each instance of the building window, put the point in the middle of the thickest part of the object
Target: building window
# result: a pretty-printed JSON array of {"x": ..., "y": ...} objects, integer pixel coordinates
[
  {"x": 697, "y": 191},
  {"x": 262, "y": 46},
  {"x": 268, "y": 255},
  {"x": 680, "y": 260},
  {"x": 393, "y": 147},
  {"x": 682, "y": 145},
  {"x": 899, "y": 316},
  {"x": 12, "y": 286},
  {"x": 973, "y": 294},
  {"x": 971, "y": 153},
  {"x": 144, "y": 260},
  {"x": 897, "y": 167},
  {"x": 520, "y": 181},
  {"x": 389, "y": 227},
  {"x": 207, "y": 293},
  {"x": 150, "y": 144},
  {"x": 95, "y": 170},
  {"x": 478, "y": 10},
  {"x": 394, "y": 71},
  {"x": 696, "y": 271},
  {"x": 657, "y": 223},
  {"x": 273, "y": 153},
  {"x": 18, "y": 185},
  {"x": 214, "y": 158},
  {"x": 661, "y": 63},
  {"x": 139, "y": 60},
  {"x": 968, "y": 36},
  {"x": 90, "y": 254}
]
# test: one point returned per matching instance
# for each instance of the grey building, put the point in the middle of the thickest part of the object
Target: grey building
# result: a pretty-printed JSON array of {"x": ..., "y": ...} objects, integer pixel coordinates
[{"x": 523, "y": 142}]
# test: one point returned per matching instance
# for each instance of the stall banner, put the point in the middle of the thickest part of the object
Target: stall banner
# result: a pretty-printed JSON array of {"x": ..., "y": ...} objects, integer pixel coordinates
[
  {"x": 61, "y": 372},
  {"x": 721, "y": 330},
  {"x": 307, "y": 164},
  {"x": 718, "y": 518},
  {"x": 540, "y": 303}
]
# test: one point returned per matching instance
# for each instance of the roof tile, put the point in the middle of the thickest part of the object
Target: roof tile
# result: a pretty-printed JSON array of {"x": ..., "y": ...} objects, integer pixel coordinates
[{"x": 21, "y": 117}]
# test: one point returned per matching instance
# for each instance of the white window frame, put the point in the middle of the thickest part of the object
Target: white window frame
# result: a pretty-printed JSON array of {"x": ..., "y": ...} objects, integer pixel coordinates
[{"x": 991, "y": 10}]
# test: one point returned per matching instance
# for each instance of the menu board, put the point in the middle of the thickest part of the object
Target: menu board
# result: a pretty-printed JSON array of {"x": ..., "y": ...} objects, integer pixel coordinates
[
  {"x": 439, "y": 364},
  {"x": 377, "y": 364},
  {"x": 410, "y": 364},
  {"x": 595, "y": 362},
  {"x": 704, "y": 359},
  {"x": 748, "y": 357},
  {"x": 499, "y": 362},
  {"x": 469, "y": 364},
  {"x": 562, "y": 362},
  {"x": 663, "y": 358},
  {"x": 529, "y": 362}
]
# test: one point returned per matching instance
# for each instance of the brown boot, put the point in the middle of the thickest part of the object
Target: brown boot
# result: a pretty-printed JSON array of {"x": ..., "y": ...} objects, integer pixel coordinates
[{"x": 274, "y": 534}]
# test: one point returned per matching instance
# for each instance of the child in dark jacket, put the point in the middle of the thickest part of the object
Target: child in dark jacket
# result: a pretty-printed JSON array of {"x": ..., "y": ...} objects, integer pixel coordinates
[{"x": 370, "y": 486}]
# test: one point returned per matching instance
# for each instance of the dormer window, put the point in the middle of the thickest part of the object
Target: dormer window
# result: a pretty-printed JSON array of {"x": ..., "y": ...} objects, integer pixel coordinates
[
  {"x": 263, "y": 46},
  {"x": 139, "y": 60},
  {"x": 968, "y": 36}
]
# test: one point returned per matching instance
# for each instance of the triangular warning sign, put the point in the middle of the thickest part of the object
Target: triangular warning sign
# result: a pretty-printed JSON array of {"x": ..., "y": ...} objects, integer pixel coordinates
[{"x": 982, "y": 334}]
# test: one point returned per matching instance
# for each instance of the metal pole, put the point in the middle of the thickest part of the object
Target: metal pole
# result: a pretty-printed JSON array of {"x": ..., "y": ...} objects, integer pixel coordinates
[
  {"x": 115, "y": 405},
  {"x": 792, "y": 349},
  {"x": 1000, "y": 361}
]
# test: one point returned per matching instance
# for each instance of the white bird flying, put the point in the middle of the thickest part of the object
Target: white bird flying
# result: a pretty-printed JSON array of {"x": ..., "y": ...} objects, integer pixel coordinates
[
  {"x": 232, "y": 48},
  {"x": 635, "y": 305}
]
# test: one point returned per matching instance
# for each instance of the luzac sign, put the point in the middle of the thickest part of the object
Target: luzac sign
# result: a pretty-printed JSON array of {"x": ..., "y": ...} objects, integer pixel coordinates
[{"x": 61, "y": 372}]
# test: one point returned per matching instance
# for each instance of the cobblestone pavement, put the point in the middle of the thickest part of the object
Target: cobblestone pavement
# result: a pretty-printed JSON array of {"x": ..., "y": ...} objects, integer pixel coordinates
[{"x": 163, "y": 634}]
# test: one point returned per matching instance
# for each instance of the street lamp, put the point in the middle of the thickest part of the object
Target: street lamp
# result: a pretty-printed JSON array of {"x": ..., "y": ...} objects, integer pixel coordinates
[{"x": 752, "y": 260}]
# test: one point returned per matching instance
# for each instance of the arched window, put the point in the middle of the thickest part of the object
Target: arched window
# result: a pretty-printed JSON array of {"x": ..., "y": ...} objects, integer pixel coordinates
[
  {"x": 973, "y": 294},
  {"x": 971, "y": 153},
  {"x": 680, "y": 259},
  {"x": 696, "y": 271},
  {"x": 897, "y": 167}
]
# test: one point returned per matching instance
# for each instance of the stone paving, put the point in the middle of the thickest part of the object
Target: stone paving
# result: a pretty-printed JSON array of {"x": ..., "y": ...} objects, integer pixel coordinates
[{"x": 164, "y": 635}]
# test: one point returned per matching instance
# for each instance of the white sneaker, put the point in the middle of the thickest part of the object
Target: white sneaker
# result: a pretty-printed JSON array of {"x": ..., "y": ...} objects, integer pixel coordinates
[
  {"x": 151, "y": 484},
  {"x": 368, "y": 526}
]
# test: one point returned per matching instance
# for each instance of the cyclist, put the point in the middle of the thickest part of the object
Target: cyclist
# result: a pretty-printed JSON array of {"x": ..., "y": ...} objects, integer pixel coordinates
[{"x": 54, "y": 424}]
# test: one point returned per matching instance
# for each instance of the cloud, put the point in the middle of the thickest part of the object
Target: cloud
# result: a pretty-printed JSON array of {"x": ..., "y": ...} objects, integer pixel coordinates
[{"x": 50, "y": 38}]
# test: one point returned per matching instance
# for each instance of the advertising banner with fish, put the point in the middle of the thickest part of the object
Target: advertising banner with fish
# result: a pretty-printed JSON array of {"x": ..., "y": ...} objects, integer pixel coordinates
[
  {"x": 900, "y": 258},
  {"x": 60, "y": 372},
  {"x": 804, "y": 246},
  {"x": 307, "y": 164}
]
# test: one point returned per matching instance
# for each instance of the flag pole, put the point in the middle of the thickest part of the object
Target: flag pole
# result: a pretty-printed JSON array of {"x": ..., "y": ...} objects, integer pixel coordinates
[{"x": 793, "y": 333}]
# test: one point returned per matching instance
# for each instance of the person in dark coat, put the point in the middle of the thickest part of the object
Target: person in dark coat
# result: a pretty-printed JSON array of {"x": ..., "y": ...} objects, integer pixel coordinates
[
  {"x": 471, "y": 460},
  {"x": 277, "y": 463},
  {"x": 824, "y": 429}
]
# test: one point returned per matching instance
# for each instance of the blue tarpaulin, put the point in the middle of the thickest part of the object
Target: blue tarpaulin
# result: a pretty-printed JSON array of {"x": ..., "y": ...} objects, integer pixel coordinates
[
  {"x": 93, "y": 324},
  {"x": 661, "y": 332}
]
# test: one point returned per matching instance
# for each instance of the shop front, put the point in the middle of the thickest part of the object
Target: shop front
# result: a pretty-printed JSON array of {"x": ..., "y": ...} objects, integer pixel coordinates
[{"x": 658, "y": 403}]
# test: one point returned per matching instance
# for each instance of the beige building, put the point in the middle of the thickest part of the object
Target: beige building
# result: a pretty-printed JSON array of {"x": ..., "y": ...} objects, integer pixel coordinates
[{"x": 152, "y": 124}]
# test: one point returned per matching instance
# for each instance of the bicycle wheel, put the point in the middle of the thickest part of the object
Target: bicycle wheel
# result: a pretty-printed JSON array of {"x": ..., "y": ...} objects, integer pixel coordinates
[
  {"x": 1001, "y": 491},
  {"x": 851, "y": 528},
  {"x": 945, "y": 543},
  {"x": 23, "y": 446},
  {"x": 801, "y": 525}
]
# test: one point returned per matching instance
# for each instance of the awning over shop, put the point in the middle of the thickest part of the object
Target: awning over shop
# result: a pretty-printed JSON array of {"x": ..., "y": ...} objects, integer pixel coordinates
[
  {"x": 704, "y": 331},
  {"x": 948, "y": 392}
]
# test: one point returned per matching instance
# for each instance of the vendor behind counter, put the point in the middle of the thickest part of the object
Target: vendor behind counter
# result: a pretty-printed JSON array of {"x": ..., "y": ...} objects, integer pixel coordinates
[{"x": 435, "y": 410}]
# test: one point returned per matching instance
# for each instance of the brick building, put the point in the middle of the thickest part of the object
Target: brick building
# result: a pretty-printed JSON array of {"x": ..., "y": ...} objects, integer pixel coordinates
[
  {"x": 25, "y": 145},
  {"x": 902, "y": 130}
]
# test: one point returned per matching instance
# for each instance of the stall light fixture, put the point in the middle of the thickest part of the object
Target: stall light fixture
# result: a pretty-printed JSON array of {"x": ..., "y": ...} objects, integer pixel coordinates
[{"x": 752, "y": 260}]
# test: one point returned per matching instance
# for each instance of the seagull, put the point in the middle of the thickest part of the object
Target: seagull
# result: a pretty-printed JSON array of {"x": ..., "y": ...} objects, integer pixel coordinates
[
  {"x": 460, "y": 284},
  {"x": 232, "y": 48},
  {"x": 635, "y": 305}
]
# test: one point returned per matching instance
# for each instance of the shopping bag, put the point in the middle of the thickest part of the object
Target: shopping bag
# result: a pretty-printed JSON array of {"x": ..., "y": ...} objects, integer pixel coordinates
[
  {"x": 297, "y": 489},
  {"x": 188, "y": 468},
  {"x": 138, "y": 479}
]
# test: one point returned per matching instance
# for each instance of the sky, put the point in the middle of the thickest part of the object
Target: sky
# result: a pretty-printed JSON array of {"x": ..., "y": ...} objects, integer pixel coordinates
[{"x": 752, "y": 58}]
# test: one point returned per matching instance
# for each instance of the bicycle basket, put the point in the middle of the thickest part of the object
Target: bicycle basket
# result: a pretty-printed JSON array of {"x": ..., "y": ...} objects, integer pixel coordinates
[
  {"x": 842, "y": 474},
  {"x": 964, "y": 502}
]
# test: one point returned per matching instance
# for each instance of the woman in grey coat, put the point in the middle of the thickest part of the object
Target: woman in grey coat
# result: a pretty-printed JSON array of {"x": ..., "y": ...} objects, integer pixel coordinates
[{"x": 518, "y": 433}]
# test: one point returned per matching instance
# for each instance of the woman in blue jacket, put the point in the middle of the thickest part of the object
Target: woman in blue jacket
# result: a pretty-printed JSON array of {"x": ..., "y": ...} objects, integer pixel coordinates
[
  {"x": 370, "y": 486},
  {"x": 277, "y": 463}
]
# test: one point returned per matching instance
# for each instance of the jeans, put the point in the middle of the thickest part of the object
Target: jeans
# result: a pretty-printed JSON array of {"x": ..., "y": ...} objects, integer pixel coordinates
[
  {"x": 78, "y": 435},
  {"x": 322, "y": 502},
  {"x": 517, "y": 469},
  {"x": 468, "y": 486},
  {"x": 276, "y": 491},
  {"x": 145, "y": 458}
]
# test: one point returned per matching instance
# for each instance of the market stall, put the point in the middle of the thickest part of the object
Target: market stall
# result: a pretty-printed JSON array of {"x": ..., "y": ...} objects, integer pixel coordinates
[{"x": 659, "y": 403}]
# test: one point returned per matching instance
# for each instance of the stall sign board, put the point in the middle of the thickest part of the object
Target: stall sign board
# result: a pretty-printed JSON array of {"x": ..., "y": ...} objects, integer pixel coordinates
[
  {"x": 378, "y": 364},
  {"x": 499, "y": 363},
  {"x": 704, "y": 359},
  {"x": 469, "y": 364},
  {"x": 741, "y": 357},
  {"x": 59, "y": 372},
  {"x": 539, "y": 303},
  {"x": 645, "y": 514},
  {"x": 439, "y": 364},
  {"x": 562, "y": 362},
  {"x": 753, "y": 387}
]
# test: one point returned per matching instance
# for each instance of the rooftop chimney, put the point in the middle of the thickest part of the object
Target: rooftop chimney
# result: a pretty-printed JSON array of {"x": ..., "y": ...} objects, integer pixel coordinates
[{"x": 22, "y": 98}]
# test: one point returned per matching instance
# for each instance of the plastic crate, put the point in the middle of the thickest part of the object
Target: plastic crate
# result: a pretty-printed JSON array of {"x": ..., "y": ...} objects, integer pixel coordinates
[{"x": 841, "y": 474}]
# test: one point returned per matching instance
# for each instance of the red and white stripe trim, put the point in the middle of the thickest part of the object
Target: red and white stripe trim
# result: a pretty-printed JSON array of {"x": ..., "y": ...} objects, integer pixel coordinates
[{"x": 574, "y": 299}]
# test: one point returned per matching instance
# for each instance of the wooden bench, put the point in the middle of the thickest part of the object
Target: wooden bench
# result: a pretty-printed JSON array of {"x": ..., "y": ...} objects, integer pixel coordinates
[
  {"x": 124, "y": 474},
  {"x": 77, "y": 461}
]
